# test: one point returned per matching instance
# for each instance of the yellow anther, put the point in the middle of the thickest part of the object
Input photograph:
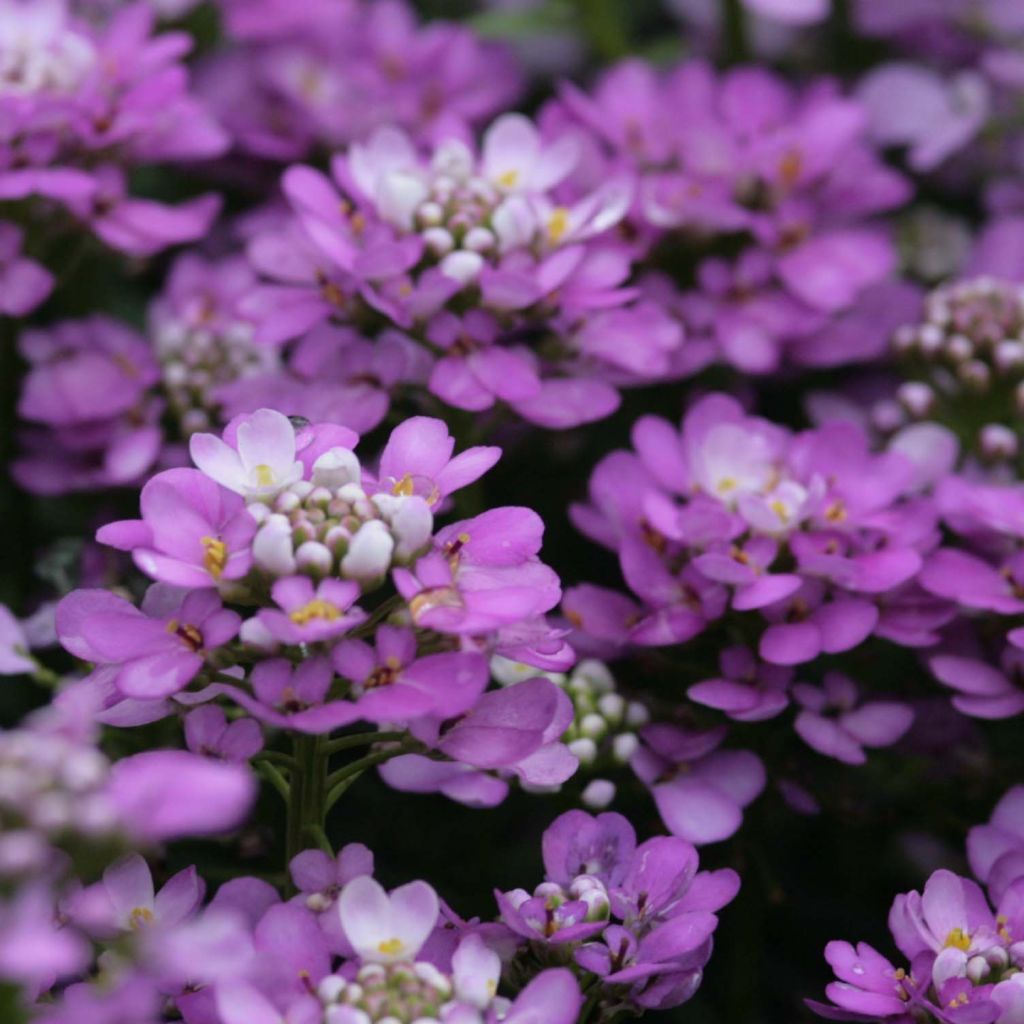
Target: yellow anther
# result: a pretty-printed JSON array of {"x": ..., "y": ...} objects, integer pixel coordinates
[
  {"x": 558, "y": 224},
  {"x": 315, "y": 609},
  {"x": 215, "y": 556},
  {"x": 790, "y": 167},
  {"x": 140, "y": 916},
  {"x": 264, "y": 475},
  {"x": 726, "y": 484},
  {"x": 403, "y": 487},
  {"x": 391, "y": 947},
  {"x": 779, "y": 508},
  {"x": 836, "y": 512},
  {"x": 508, "y": 179},
  {"x": 957, "y": 939}
]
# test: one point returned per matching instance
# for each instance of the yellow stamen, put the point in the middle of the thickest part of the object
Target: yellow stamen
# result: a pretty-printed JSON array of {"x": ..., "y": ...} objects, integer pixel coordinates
[
  {"x": 315, "y": 609},
  {"x": 779, "y": 509},
  {"x": 264, "y": 475},
  {"x": 391, "y": 947},
  {"x": 558, "y": 224},
  {"x": 957, "y": 939},
  {"x": 215, "y": 556},
  {"x": 140, "y": 916},
  {"x": 403, "y": 487},
  {"x": 508, "y": 179},
  {"x": 726, "y": 484},
  {"x": 790, "y": 167},
  {"x": 836, "y": 512}
]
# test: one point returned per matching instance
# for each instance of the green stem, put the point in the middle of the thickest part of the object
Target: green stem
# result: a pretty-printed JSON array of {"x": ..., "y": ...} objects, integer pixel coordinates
[
  {"x": 319, "y": 836},
  {"x": 277, "y": 757},
  {"x": 602, "y": 22},
  {"x": 357, "y": 767},
  {"x": 734, "y": 31},
  {"x": 338, "y": 791},
  {"x": 361, "y": 739},
  {"x": 276, "y": 779},
  {"x": 307, "y": 803}
]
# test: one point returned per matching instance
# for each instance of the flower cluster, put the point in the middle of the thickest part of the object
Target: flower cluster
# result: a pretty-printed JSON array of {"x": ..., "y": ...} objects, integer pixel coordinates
[
  {"x": 323, "y": 74},
  {"x": 809, "y": 540},
  {"x": 281, "y": 521},
  {"x": 81, "y": 107},
  {"x": 639, "y": 918},
  {"x": 512, "y": 279},
  {"x": 963, "y": 960},
  {"x": 746, "y": 154}
]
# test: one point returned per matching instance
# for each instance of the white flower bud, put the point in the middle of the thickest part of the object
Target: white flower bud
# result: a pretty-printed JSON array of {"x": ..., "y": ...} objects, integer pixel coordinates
[
  {"x": 439, "y": 241},
  {"x": 369, "y": 554},
  {"x": 612, "y": 706},
  {"x": 977, "y": 969},
  {"x": 594, "y": 726},
  {"x": 597, "y": 674},
  {"x": 272, "y": 546},
  {"x": 585, "y": 750},
  {"x": 478, "y": 240},
  {"x": 624, "y": 746},
  {"x": 335, "y": 468},
  {"x": 598, "y": 794},
  {"x": 314, "y": 558},
  {"x": 412, "y": 525},
  {"x": 636, "y": 714},
  {"x": 331, "y": 988},
  {"x": 462, "y": 266}
]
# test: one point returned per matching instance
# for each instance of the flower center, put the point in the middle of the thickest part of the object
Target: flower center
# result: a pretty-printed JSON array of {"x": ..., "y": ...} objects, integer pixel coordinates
[
  {"x": 318, "y": 608},
  {"x": 139, "y": 918},
  {"x": 264, "y": 475},
  {"x": 215, "y": 556},
  {"x": 391, "y": 947},
  {"x": 957, "y": 939},
  {"x": 191, "y": 636}
]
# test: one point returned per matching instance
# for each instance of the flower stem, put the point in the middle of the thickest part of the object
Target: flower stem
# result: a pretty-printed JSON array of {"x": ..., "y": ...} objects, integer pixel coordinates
[
  {"x": 338, "y": 782},
  {"x": 734, "y": 31},
  {"x": 306, "y": 804},
  {"x": 360, "y": 739}
]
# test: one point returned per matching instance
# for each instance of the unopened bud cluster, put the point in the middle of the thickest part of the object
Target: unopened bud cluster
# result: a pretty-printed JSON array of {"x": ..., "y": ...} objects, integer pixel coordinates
[
  {"x": 197, "y": 360},
  {"x": 401, "y": 993},
  {"x": 965, "y": 361},
  {"x": 51, "y": 792},
  {"x": 328, "y": 526}
]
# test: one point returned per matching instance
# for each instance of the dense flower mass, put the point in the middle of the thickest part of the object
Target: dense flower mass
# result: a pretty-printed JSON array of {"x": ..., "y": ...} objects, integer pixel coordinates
[{"x": 562, "y": 413}]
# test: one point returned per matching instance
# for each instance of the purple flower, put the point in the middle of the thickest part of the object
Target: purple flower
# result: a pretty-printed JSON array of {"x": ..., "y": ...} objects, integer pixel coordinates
[
  {"x": 996, "y": 849},
  {"x": 208, "y": 732},
  {"x": 159, "y": 649},
  {"x": 700, "y": 791},
  {"x": 192, "y": 533},
  {"x": 14, "y": 646},
  {"x": 88, "y": 392},
  {"x": 311, "y": 614},
  {"x": 483, "y": 573},
  {"x": 385, "y": 928},
  {"x": 167, "y": 794},
  {"x": 577, "y": 844},
  {"x": 24, "y": 283},
  {"x": 835, "y": 725}
]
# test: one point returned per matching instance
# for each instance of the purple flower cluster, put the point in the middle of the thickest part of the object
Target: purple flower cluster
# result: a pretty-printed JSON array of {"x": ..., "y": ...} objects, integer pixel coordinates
[
  {"x": 963, "y": 959},
  {"x": 639, "y": 918},
  {"x": 326, "y": 73},
  {"x": 744, "y": 154},
  {"x": 282, "y": 522},
  {"x": 810, "y": 539},
  {"x": 81, "y": 107}
]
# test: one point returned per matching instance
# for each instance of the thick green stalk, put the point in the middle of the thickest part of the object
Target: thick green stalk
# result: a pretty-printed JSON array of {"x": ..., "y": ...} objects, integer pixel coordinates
[
  {"x": 734, "y": 31},
  {"x": 307, "y": 804}
]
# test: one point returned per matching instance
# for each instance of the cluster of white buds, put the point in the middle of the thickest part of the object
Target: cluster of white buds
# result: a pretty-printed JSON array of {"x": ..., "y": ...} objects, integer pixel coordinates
[
  {"x": 51, "y": 791},
  {"x": 603, "y": 734},
  {"x": 329, "y": 526},
  {"x": 965, "y": 364},
  {"x": 401, "y": 993},
  {"x": 199, "y": 358}
]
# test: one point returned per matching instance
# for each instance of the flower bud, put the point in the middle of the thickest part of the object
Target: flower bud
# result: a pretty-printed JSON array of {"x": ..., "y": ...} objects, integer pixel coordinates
[
  {"x": 369, "y": 553},
  {"x": 272, "y": 546},
  {"x": 977, "y": 969},
  {"x": 997, "y": 442},
  {"x": 598, "y": 794},
  {"x": 314, "y": 558},
  {"x": 594, "y": 726},
  {"x": 585, "y": 750},
  {"x": 624, "y": 746},
  {"x": 335, "y": 468}
]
